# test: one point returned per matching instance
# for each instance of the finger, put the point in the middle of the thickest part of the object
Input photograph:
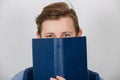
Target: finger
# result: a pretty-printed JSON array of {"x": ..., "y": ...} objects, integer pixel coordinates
[
  {"x": 53, "y": 79},
  {"x": 60, "y": 78}
]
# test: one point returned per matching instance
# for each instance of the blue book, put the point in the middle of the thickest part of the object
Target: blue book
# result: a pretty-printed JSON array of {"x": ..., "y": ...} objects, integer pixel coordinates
[{"x": 66, "y": 57}]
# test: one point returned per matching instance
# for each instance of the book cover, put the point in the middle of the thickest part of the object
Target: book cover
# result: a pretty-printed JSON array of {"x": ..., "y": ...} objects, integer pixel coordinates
[{"x": 66, "y": 57}]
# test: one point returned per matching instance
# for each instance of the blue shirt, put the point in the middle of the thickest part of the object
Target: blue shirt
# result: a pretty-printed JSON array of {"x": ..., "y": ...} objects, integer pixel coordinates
[{"x": 19, "y": 76}]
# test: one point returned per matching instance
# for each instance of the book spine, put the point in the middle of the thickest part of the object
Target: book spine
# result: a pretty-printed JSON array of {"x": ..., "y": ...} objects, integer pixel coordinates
[{"x": 58, "y": 58}]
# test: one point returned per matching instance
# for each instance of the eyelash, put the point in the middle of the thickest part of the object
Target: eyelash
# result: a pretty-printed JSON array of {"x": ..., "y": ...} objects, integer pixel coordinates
[
  {"x": 49, "y": 36},
  {"x": 52, "y": 36},
  {"x": 67, "y": 35}
]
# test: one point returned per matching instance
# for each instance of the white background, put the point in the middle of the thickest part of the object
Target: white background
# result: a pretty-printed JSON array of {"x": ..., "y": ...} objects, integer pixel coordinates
[{"x": 99, "y": 19}]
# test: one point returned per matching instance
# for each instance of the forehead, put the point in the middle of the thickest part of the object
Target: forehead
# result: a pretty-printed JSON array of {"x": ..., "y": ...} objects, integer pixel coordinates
[{"x": 63, "y": 23}]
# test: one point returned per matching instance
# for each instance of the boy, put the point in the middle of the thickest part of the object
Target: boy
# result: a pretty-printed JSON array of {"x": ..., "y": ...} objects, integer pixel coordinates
[{"x": 56, "y": 20}]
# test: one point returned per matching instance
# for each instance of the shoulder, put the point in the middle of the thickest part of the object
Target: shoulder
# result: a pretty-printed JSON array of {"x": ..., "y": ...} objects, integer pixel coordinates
[
  {"x": 19, "y": 75},
  {"x": 94, "y": 75},
  {"x": 22, "y": 75}
]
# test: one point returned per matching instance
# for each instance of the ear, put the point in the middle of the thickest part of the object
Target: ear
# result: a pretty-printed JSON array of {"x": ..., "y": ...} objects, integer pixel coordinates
[
  {"x": 38, "y": 35},
  {"x": 80, "y": 33}
]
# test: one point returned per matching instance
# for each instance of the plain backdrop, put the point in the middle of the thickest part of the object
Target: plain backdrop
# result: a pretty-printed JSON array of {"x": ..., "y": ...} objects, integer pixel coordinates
[{"x": 99, "y": 20}]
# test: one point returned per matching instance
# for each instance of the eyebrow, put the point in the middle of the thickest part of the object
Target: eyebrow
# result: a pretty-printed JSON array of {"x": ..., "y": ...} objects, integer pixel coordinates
[
  {"x": 67, "y": 32},
  {"x": 53, "y": 33},
  {"x": 48, "y": 33}
]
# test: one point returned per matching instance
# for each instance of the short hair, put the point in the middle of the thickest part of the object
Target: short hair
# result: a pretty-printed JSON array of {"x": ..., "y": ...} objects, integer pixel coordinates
[{"x": 55, "y": 11}]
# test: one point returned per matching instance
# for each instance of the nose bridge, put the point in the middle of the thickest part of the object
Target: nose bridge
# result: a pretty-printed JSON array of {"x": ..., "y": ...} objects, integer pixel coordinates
[{"x": 58, "y": 35}]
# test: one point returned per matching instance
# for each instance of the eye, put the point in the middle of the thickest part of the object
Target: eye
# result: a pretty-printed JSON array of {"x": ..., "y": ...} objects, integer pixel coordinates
[
  {"x": 49, "y": 36},
  {"x": 67, "y": 35}
]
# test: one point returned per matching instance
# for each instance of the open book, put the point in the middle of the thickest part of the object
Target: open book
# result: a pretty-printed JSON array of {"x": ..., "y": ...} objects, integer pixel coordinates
[{"x": 66, "y": 57}]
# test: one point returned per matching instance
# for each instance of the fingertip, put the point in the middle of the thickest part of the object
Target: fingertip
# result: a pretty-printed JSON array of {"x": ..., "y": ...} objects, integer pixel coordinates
[
  {"x": 59, "y": 77},
  {"x": 51, "y": 78}
]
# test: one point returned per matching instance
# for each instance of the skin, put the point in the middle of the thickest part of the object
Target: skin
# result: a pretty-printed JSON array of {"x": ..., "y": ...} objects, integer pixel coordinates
[{"x": 61, "y": 28}]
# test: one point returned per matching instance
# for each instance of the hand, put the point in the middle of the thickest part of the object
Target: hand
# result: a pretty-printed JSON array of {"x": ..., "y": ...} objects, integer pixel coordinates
[{"x": 57, "y": 78}]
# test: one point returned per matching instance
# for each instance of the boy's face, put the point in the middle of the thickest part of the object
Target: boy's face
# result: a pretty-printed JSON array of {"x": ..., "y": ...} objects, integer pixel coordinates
[{"x": 61, "y": 28}]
